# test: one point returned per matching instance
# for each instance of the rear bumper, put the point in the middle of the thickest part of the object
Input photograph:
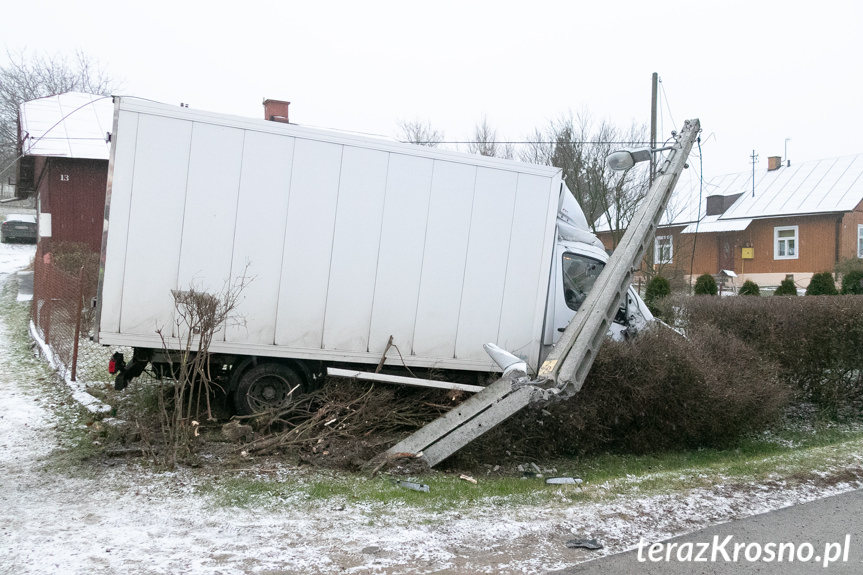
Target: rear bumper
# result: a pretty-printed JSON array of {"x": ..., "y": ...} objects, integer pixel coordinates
[{"x": 19, "y": 235}]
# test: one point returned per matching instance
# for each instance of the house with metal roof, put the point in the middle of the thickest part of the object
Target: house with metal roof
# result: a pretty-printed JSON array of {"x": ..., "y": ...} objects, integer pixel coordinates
[
  {"x": 64, "y": 148},
  {"x": 786, "y": 221}
]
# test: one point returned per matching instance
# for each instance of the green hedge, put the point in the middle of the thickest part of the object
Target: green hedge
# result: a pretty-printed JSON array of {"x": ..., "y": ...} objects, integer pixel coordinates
[{"x": 816, "y": 343}]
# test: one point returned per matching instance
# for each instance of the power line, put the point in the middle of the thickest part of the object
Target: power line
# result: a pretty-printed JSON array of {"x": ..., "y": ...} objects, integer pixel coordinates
[
  {"x": 527, "y": 142},
  {"x": 667, "y": 105}
]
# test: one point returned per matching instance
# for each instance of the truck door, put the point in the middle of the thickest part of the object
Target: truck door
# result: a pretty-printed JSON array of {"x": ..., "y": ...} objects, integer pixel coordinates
[{"x": 575, "y": 275}]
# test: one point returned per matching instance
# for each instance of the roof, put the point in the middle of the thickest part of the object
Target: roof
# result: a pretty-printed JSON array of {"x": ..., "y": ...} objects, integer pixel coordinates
[
  {"x": 71, "y": 125},
  {"x": 822, "y": 186},
  {"x": 714, "y": 224},
  {"x": 816, "y": 187}
]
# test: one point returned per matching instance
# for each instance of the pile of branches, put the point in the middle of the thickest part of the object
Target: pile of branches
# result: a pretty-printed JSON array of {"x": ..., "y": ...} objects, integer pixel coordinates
[{"x": 349, "y": 415}]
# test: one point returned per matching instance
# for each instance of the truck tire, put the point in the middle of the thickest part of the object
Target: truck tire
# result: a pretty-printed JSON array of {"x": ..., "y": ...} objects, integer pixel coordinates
[{"x": 267, "y": 386}]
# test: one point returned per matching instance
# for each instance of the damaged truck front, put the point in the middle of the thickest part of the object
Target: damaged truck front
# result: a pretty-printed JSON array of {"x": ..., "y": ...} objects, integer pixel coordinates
[{"x": 355, "y": 246}]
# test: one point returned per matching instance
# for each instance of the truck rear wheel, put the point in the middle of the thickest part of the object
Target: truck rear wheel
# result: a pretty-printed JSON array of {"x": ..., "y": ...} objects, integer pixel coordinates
[{"x": 268, "y": 386}]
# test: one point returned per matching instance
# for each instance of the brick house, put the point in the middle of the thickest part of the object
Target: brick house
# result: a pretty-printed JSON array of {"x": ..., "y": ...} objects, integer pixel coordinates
[
  {"x": 794, "y": 222},
  {"x": 64, "y": 147}
]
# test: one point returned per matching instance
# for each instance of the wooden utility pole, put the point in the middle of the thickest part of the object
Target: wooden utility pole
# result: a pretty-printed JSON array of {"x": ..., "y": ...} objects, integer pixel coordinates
[{"x": 653, "y": 97}]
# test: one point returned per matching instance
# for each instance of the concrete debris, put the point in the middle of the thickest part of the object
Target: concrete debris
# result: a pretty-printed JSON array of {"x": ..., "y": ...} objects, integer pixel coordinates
[
  {"x": 411, "y": 485},
  {"x": 583, "y": 544},
  {"x": 563, "y": 481}
]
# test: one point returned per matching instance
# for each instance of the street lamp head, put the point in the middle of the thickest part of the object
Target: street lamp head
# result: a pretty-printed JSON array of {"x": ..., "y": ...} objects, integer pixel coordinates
[{"x": 625, "y": 159}]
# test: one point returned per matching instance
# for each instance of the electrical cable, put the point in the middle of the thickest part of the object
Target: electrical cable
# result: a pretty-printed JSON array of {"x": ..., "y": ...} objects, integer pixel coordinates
[
  {"x": 667, "y": 105},
  {"x": 698, "y": 215},
  {"x": 57, "y": 123}
]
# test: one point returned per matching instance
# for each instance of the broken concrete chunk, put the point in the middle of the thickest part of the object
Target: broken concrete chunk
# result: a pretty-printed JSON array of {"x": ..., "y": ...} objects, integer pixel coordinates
[
  {"x": 583, "y": 544},
  {"x": 411, "y": 485}
]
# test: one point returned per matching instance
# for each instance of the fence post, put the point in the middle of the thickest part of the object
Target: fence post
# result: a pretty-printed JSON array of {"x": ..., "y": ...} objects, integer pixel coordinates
[
  {"x": 49, "y": 300},
  {"x": 79, "y": 307}
]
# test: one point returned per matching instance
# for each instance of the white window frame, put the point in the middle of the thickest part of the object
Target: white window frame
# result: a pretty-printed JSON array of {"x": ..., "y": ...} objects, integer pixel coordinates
[
  {"x": 777, "y": 241},
  {"x": 657, "y": 250},
  {"x": 860, "y": 240}
]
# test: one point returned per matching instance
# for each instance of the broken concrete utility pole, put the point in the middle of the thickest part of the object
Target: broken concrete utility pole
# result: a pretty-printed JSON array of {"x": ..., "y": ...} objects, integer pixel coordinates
[{"x": 564, "y": 370}]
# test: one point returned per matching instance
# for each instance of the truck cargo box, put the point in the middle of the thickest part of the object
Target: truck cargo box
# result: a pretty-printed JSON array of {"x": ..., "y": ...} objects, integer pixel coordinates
[{"x": 350, "y": 240}]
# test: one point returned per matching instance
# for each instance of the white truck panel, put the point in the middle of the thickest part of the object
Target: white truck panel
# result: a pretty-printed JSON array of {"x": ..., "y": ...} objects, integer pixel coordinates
[
  {"x": 356, "y": 244},
  {"x": 158, "y": 193},
  {"x": 208, "y": 225},
  {"x": 308, "y": 244},
  {"x": 525, "y": 281},
  {"x": 443, "y": 260},
  {"x": 487, "y": 259},
  {"x": 265, "y": 181},
  {"x": 400, "y": 261},
  {"x": 349, "y": 240}
]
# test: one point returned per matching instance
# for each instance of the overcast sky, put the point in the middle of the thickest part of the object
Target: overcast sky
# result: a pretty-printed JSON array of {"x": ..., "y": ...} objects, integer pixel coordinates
[{"x": 754, "y": 72}]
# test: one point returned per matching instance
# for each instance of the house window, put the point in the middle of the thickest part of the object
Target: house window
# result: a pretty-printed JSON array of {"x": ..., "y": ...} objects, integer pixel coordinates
[
  {"x": 860, "y": 241},
  {"x": 662, "y": 250},
  {"x": 785, "y": 243}
]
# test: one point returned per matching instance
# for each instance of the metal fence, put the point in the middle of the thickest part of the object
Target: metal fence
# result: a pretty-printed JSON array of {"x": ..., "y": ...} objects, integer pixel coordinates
[{"x": 64, "y": 285}]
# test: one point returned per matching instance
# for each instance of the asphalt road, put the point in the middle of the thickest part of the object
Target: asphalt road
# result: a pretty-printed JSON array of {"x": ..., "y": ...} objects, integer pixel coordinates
[{"x": 829, "y": 532}]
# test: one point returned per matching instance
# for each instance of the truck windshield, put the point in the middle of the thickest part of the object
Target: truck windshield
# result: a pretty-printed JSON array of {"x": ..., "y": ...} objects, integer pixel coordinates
[{"x": 579, "y": 275}]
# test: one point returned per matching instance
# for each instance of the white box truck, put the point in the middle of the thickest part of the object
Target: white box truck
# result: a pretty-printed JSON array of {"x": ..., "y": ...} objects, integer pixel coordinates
[{"x": 351, "y": 241}]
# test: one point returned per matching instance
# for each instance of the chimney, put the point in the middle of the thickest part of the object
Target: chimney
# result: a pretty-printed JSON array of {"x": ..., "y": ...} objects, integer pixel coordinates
[
  {"x": 714, "y": 205},
  {"x": 774, "y": 163},
  {"x": 276, "y": 111},
  {"x": 717, "y": 204}
]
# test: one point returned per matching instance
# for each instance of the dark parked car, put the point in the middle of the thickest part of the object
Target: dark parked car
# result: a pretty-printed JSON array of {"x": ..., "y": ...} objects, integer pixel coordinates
[{"x": 18, "y": 227}]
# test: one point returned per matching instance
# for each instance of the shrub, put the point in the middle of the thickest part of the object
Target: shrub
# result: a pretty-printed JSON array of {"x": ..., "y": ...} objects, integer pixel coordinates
[
  {"x": 787, "y": 287},
  {"x": 848, "y": 265},
  {"x": 705, "y": 285},
  {"x": 657, "y": 289},
  {"x": 822, "y": 284},
  {"x": 816, "y": 343},
  {"x": 852, "y": 282},
  {"x": 749, "y": 288},
  {"x": 655, "y": 392}
]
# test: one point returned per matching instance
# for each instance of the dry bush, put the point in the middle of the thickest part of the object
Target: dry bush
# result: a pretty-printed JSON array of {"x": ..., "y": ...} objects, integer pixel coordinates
[
  {"x": 656, "y": 392},
  {"x": 198, "y": 316},
  {"x": 346, "y": 422},
  {"x": 76, "y": 258}
]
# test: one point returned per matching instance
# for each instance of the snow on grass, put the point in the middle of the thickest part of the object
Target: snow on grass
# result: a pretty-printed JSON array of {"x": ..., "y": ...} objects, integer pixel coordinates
[{"x": 102, "y": 516}]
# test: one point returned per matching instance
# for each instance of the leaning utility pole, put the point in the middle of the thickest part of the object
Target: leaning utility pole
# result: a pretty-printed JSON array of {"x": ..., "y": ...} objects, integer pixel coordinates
[{"x": 564, "y": 370}]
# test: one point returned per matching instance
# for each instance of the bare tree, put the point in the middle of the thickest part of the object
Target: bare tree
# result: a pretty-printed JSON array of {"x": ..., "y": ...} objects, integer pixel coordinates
[
  {"x": 538, "y": 149},
  {"x": 420, "y": 133},
  {"x": 579, "y": 148},
  {"x": 27, "y": 77},
  {"x": 484, "y": 142}
]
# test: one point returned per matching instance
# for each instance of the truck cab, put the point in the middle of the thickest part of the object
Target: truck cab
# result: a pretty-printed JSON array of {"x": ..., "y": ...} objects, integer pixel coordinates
[{"x": 579, "y": 258}]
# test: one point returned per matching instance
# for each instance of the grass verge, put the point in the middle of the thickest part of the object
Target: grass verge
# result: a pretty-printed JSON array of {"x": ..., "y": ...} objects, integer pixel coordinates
[
  {"x": 819, "y": 453},
  {"x": 33, "y": 374}
]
